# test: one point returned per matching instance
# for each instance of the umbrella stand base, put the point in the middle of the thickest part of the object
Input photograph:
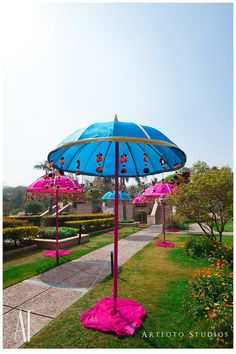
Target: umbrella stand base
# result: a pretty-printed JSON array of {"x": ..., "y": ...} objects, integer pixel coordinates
[
  {"x": 123, "y": 323},
  {"x": 112, "y": 233},
  {"x": 173, "y": 229},
  {"x": 52, "y": 253},
  {"x": 165, "y": 244}
]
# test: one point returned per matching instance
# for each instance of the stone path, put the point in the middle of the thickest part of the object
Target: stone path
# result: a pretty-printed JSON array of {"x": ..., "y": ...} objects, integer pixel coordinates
[
  {"x": 49, "y": 294},
  {"x": 195, "y": 229}
]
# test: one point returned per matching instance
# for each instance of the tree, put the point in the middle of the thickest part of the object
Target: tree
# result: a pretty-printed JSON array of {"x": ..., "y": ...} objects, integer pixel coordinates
[
  {"x": 13, "y": 199},
  {"x": 42, "y": 165},
  {"x": 200, "y": 166},
  {"x": 33, "y": 207},
  {"x": 208, "y": 199}
]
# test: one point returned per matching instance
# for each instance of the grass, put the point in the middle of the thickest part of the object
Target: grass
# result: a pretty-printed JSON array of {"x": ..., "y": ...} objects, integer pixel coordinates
[
  {"x": 31, "y": 263},
  {"x": 155, "y": 277},
  {"x": 229, "y": 226}
]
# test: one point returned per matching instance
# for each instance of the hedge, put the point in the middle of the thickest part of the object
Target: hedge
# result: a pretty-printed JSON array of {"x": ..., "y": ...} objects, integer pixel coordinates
[
  {"x": 11, "y": 222},
  {"x": 91, "y": 225},
  {"x": 19, "y": 233},
  {"x": 63, "y": 232},
  {"x": 32, "y": 220},
  {"x": 63, "y": 219}
]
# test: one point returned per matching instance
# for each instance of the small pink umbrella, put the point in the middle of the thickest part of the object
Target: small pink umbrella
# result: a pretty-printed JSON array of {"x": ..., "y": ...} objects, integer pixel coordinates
[
  {"x": 56, "y": 184},
  {"x": 161, "y": 191},
  {"x": 140, "y": 200}
]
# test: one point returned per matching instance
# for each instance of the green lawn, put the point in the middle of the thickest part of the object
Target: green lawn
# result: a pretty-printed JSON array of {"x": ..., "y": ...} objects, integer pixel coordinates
[
  {"x": 229, "y": 226},
  {"x": 32, "y": 263},
  {"x": 158, "y": 279}
]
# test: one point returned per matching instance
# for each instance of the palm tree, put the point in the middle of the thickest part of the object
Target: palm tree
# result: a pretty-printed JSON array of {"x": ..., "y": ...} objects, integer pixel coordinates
[{"x": 42, "y": 165}]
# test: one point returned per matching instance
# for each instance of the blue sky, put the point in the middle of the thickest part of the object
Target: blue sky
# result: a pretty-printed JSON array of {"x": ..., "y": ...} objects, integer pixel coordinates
[{"x": 69, "y": 65}]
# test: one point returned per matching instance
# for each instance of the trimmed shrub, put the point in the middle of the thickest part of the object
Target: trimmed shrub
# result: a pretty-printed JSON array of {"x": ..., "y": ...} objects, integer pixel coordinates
[
  {"x": 10, "y": 222},
  {"x": 32, "y": 220},
  {"x": 63, "y": 232},
  {"x": 206, "y": 248},
  {"x": 177, "y": 222},
  {"x": 211, "y": 294},
  {"x": 17, "y": 234},
  {"x": 91, "y": 225},
  {"x": 51, "y": 219},
  {"x": 127, "y": 221}
]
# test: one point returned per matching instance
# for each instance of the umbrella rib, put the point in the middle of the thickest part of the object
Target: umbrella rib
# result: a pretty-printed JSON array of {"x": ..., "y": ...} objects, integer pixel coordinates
[
  {"x": 67, "y": 148},
  {"x": 106, "y": 154},
  {"x": 133, "y": 158},
  {"x": 90, "y": 157},
  {"x": 77, "y": 152},
  {"x": 149, "y": 156},
  {"x": 160, "y": 155}
]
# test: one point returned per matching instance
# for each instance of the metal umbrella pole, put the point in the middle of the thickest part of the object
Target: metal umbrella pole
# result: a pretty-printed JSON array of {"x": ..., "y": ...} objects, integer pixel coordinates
[
  {"x": 164, "y": 219},
  {"x": 116, "y": 215},
  {"x": 57, "y": 243}
]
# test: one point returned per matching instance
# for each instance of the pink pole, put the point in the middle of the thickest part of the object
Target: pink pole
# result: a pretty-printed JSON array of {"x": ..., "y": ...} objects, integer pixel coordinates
[
  {"x": 57, "y": 247},
  {"x": 164, "y": 219},
  {"x": 116, "y": 212}
]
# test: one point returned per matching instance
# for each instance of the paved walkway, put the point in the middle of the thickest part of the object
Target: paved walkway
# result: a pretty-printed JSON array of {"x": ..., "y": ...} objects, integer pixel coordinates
[
  {"x": 49, "y": 294},
  {"x": 195, "y": 229}
]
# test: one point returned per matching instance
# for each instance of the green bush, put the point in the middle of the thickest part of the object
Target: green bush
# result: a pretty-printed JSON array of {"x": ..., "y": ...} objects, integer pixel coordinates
[
  {"x": 51, "y": 219},
  {"x": 33, "y": 207},
  {"x": 17, "y": 234},
  {"x": 91, "y": 225},
  {"x": 10, "y": 222},
  {"x": 211, "y": 294},
  {"x": 206, "y": 248},
  {"x": 32, "y": 220},
  {"x": 63, "y": 232},
  {"x": 142, "y": 216},
  {"x": 127, "y": 221},
  {"x": 176, "y": 221}
]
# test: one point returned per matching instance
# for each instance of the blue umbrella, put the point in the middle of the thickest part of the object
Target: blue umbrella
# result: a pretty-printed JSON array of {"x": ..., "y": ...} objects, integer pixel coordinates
[
  {"x": 116, "y": 149},
  {"x": 111, "y": 196},
  {"x": 91, "y": 151}
]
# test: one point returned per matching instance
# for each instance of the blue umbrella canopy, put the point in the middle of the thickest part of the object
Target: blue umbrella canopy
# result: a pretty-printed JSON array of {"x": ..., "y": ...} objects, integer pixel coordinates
[
  {"x": 143, "y": 151},
  {"x": 111, "y": 196}
]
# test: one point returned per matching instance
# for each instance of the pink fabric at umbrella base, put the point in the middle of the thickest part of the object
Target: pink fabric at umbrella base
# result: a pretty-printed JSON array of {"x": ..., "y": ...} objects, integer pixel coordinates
[
  {"x": 123, "y": 323},
  {"x": 52, "y": 253},
  {"x": 112, "y": 233},
  {"x": 173, "y": 230},
  {"x": 165, "y": 244},
  {"x": 142, "y": 225}
]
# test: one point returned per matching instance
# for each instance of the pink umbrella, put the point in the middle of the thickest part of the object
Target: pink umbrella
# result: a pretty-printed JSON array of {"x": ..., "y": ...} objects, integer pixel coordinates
[
  {"x": 56, "y": 184},
  {"x": 139, "y": 200},
  {"x": 161, "y": 191}
]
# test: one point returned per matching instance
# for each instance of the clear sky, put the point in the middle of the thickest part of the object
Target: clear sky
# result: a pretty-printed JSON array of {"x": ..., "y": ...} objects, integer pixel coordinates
[{"x": 69, "y": 65}]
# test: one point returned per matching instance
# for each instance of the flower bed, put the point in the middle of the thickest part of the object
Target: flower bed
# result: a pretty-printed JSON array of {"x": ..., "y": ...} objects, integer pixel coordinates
[
  {"x": 211, "y": 293},
  {"x": 14, "y": 237},
  {"x": 63, "y": 232},
  {"x": 206, "y": 248}
]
